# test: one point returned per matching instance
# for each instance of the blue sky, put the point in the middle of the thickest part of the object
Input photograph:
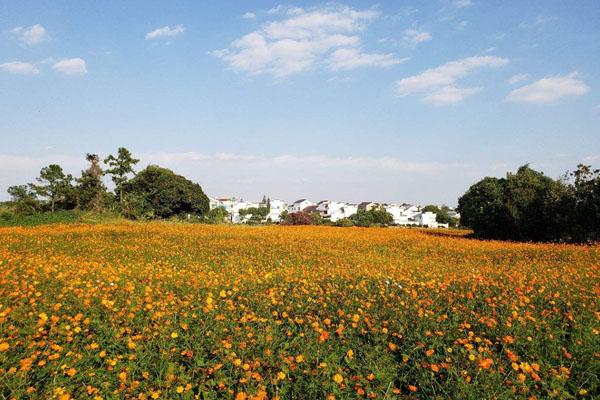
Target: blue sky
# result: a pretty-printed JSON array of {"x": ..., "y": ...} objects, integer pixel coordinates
[{"x": 389, "y": 101}]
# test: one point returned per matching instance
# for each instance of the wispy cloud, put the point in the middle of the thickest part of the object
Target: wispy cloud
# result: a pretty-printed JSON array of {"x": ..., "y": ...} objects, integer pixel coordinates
[
  {"x": 32, "y": 34},
  {"x": 350, "y": 58},
  {"x": 539, "y": 20},
  {"x": 518, "y": 78},
  {"x": 549, "y": 89},
  {"x": 302, "y": 39},
  {"x": 165, "y": 32},
  {"x": 71, "y": 66},
  {"x": 249, "y": 15},
  {"x": 439, "y": 84},
  {"x": 462, "y": 3},
  {"x": 413, "y": 37},
  {"x": 19, "y": 67}
]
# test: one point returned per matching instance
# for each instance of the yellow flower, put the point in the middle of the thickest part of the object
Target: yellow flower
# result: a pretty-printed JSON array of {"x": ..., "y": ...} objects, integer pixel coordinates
[
  {"x": 350, "y": 354},
  {"x": 179, "y": 389},
  {"x": 281, "y": 375},
  {"x": 174, "y": 335},
  {"x": 338, "y": 378},
  {"x": 4, "y": 346}
]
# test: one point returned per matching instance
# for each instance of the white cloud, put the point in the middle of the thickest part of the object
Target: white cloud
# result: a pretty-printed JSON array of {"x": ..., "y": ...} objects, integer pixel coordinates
[
  {"x": 249, "y": 15},
  {"x": 549, "y": 89},
  {"x": 450, "y": 95},
  {"x": 462, "y": 3},
  {"x": 518, "y": 78},
  {"x": 539, "y": 20},
  {"x": 439, "y": 84},
  {"x": 71, "y": 66},
  {"x": 413, "y": 37},
  {"x": 31, "y": 35},
  {"x": 18, "y": 67},
  {"x": 303, "y": 39},
  {"x": 165, "y": 31},
  {"x": 350, "y": 58}
]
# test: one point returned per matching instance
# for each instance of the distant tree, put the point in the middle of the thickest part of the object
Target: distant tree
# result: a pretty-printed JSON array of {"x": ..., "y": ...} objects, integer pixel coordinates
[
  {"x": 526, "y": 206},
  {"x": 119, "y": 168},
  {"x": 531, "y": 199},
  {"x": 160, "y": 193},
  {"x": 443, "y": 216},
  {"x": 54, "y": 185},
  {"x": 24, "y": 199},
  {"x": 217, "y": 215},
  {"x": 482, "y": 209},
  {"x": 344, "y": 222},
  {"x": 375, "y": 216},
  {"x": 257, "y": 214},
  {"x": 283, "y": 215},
  {"x": 585, "y": 203},
  {"x": 298, "y": 218},
  {"x": 90, "y": 188},
  {"x": 431, "y": 208}
]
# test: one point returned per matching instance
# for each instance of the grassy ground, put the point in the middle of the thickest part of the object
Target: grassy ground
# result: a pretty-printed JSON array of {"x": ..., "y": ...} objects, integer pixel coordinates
[
  {"x": 59, "y": 217},
  {"x": 156, "y": 310}
]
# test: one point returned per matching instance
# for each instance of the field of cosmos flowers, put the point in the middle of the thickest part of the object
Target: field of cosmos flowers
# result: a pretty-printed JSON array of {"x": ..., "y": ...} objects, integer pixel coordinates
[{"x": 160, "y": 310}]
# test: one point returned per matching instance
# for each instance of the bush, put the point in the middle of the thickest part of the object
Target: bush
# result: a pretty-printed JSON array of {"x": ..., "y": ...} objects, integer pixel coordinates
[
  {"x": 344, "y": 222},
  {"x": 160, "y": 193},
  {"x": 299, "y": 218}
]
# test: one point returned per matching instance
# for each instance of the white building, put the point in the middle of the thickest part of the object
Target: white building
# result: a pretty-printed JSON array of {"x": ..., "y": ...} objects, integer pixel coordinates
[
  {"x": 427, "y": 219},
  {"x": 277, "y": 207},
  {"x": 299, "y": 205},
  {"x": 335, "y": 210}
]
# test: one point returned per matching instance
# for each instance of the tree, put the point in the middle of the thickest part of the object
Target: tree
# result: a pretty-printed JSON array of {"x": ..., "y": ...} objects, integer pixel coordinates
[
  {"x": 257, "y": 214},
  {"x": 482, "y": 209},
  {"x": 24, "y": 199},
  {"x": 298, "y": 218},
  {"x": 90, "y": 188},
  {"x": 431, "y": 208},
  {"x": 160, "y": 193},
  {"x": 526, "y": 205},
  {"x": 217, "y": 215},
  {"x": 585, "y": 203},
  {"x": 53, "y": 185},
  {"x": 119, "y": 169},
  {"x": 375, "y": 216}
]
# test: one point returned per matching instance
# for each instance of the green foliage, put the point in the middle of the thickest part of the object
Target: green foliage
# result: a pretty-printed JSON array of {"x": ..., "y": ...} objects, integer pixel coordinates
[
  {"x": 442, "y": 214},
  {"x": 119, "y": 169},
  {"x": 158, "y": 192},
  {"x": 55, "y": 186},
  {"x": 216, "y": 216},
  {"x": 375, "y": 216},
  {"x": 91, "y": 192},
  {"x": 257, "y": 214},
  {"x": 529, "y": 206},
  {"x": 24, "y": 199},
  {"x": 56, "y": 217},
  {"x": 344, "y": 222}
]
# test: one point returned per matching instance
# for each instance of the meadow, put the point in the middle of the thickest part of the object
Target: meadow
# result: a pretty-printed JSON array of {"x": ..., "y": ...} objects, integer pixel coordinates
[{"x": 166, "y": 310}]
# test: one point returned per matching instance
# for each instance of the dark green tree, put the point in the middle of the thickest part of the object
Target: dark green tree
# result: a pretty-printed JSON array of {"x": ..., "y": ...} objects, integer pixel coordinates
[
  {"x": 160, "y": 193},
  {"x": 24, "y": 199},
  {"x": 120, "y": 167},
  {"x": 482, "y": 209},
  {"x": 90, "y": 188},
  {"x": 54, "y": 185}
]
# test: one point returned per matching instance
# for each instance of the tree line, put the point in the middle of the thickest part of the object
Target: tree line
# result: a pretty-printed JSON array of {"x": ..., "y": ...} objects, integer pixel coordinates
[
  {"x": 529, "y": 206},
  {"x": 154, "y": 192}
]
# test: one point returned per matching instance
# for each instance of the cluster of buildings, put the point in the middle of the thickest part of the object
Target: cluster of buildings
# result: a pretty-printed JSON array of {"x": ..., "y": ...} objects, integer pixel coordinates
[{"x": 403, "y": 214}]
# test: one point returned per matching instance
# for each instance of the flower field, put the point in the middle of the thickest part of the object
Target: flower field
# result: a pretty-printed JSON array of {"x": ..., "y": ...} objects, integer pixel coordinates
[{"x": 162, "y": 310}]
